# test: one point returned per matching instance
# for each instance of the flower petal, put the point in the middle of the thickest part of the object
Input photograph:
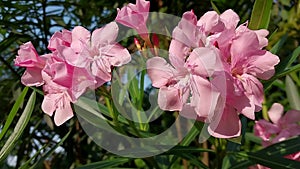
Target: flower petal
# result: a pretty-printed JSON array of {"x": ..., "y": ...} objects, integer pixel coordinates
[
  {"x": 204, "y": 97},
  {"x": 116, "y": 54},
  {"x": 105, "y": 35},
  {"x": 225, "y": 125},
  {"x": 169, "y": 98},
  {"x": 64, "y": 112},
  {"x": 32, "y": 77},
  {"x": 262, "y": 65},
  {"x": 276, "y": 112},
  {"x": 159, "y": 71},
  {"x": 80, "y": 36}
]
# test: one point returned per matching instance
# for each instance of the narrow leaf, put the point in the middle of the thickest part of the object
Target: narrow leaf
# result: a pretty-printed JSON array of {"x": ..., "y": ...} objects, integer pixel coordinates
[
  {"x": 292, "y": 93},
  {"x": 105, "y": 164},
  {"x": 19, "y": 128},
  {"x": 13, "y": 112},
  {"x": 261, "y": 13}
]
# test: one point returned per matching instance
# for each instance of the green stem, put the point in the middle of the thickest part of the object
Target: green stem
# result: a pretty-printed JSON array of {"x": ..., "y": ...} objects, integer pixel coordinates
[
  {"x": 113, "y": 115},
  {"x": 265, "y": 110},
  {"x": 141, "y": 98}
]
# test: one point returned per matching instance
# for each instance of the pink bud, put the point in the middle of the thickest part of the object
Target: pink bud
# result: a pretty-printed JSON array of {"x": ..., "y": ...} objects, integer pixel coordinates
[{"x": 155, "y": 40}]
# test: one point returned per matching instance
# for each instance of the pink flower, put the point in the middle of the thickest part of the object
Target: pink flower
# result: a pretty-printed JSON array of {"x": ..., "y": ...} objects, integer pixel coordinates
[
  {"x": 186, "y": 36},
  {"x": 244, "y": 62},
  {"x": 282, "y": 127},
  {"x": 135, "y": 16},
  {"x": 29, "y": 58},
  {"x": 64, "y": 84},
  {"x": 63, "y": 38},
  {"x": 183, "y": 86},
  {"x": 97, "y": 52}
]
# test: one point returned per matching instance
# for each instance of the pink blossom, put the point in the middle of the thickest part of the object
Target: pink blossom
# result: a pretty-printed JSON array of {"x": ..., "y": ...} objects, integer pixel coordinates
[
  {"x": 186, "y": 36},
  {"x": 183, "y": 85},
  {"x": 63, "y": 38},
  {"x": 244, "y": 62},
  {"x": 281, "y": 127},
  {"x": 29, "y": 58},
  {"x": 135, "y": 16},
  {"x": 97, "y": 52},
  {"x": 64, "y": 84}
]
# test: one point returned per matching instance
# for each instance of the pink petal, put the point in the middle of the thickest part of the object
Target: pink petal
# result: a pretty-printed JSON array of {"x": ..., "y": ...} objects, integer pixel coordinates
[
  {"x": 28, "y": 56},
  {"x": 262, "y": 64},
  {"x": 101, "y": 69},
  {"x": 230, "y": 19},
  {"x": 116, "y": 54},
  {"x": 105, "y": 35},
  {"x": 261, "y": 34},
  {"x": 159, "y": 71},
  {"x": 81, "y": 80},
  {"x": 32, "y": 77},
  {"x": 49, "y": 104},
  {"x": 243, "y": 47},
  {"x": 265, "y": 129},
  {"x": 204, "y": 97},
  {"x": 169, "y": 98},
  {"x": 211, "y": 22},
  {"x": 276, "y": 112},
  {"x": 291, "y": 116},
  {"x": 178, "y": 51},
  {"x": 63, "y": 112},
  {"x": 254, "y": 90},
  {"x": 80, "y": 36},
  {"x": 143, "y": 6},
  {"x": 226, "y": 124},
  {"x": 203, "y": 62},
  {"x": 63, "y": 38},
  {"x": 62, "y": 74},
  {"x": 135, "y": 16}
]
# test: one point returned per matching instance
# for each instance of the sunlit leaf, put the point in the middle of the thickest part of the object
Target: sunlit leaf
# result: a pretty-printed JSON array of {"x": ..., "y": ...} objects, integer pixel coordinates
[
  {"x": 105, "y": 164},
  {"x": 261, "y": 13},
  {"x": 292, "y": 93},
  {"x": 19, "y": 128},
  {"x": 13, "y": 112}
]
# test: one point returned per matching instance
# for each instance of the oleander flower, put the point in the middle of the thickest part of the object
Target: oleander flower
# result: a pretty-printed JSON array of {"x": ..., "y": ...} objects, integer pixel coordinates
[
  {"x": 135, "y": 16},
  {"x": 29, "y": 58},
  {"x": 184, "y": 85},
  {"x": 186, "y": 36},
  {"x": 64, "y": 84},
  {"x": 279, "y": 128},
  {"x": 97, "y": 52}
]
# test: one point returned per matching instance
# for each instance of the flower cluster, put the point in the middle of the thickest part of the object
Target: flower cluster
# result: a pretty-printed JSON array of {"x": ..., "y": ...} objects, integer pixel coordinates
[
  {"x": 214, "y": 71},
  {"x": 281, "y": 127},
  {"x": 213, "y": 74},
  {"x": 78, "y": 60}
]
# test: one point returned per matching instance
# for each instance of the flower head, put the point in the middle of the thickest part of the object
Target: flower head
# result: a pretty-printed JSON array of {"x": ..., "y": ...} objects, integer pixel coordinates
[
  {"x": 29, "y": 58},
  {"x": 135, "y": 16}
]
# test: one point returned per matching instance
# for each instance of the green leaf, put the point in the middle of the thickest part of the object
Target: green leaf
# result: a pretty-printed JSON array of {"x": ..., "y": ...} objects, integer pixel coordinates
[
  {"x": 19, "y": 128},
  {"x": 271, "y": 156},
  {"x": 13, "y": 112},
  {"x": 292, "y": 93},
  {"x": 279, "y": 44},
  {"x": 187, "y": 149},
  {"x": 215, "y": 8},
  {"x": 261, "y": 13},
  {"x": 105, "y": 164}
]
